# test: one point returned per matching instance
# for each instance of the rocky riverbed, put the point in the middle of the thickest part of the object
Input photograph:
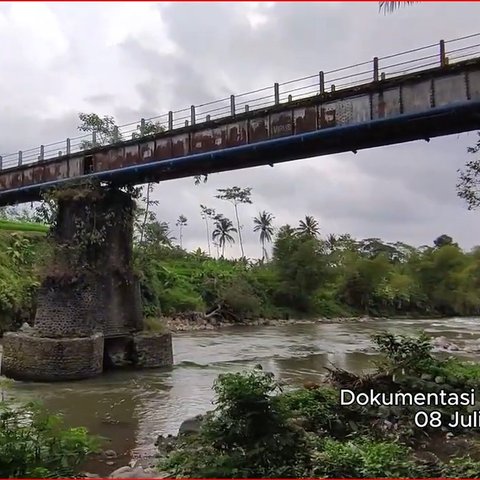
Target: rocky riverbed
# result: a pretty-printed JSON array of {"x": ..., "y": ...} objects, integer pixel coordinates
[{"x": 193, "y": 321}]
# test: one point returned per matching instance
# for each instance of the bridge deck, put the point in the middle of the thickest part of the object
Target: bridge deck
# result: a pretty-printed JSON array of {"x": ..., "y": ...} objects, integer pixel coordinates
[{"x": 427, "y": 103}]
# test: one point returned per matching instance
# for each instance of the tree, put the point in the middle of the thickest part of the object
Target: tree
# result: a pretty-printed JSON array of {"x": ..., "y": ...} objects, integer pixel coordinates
[
  {"x": 394, "y": 252},
  {"x": 158, "y": 233},
  {"x": 301, "y": 265},
  {"x": 443, "y": 240},
  {"x": 104, "y": 130},
  {"x": 148, "y": 215},
  {"x": 236, "y": 195},
  {"x": 468, "y": 188},
  {"x": 207, "y": 214},
  {"x": 308, "y": 227},
  {"x": 389, "y": 7},
  {"x": 331, "y": 242},
  {"x": 45, "y": 212},
  {"x": 222, "y": 231},
  {"x": 263, "y": 224},
  {"x": 149, "y": 128},
  {"x": 339, "y": 248},
  {"x": 198, "y": 179},
  {"x": 363, "y": 281},
  {"x": 442, "y": 274},
  {"x": 181, "y": 223}
]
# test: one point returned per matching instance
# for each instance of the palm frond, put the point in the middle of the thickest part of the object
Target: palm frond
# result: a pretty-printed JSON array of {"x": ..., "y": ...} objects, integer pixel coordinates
[{"x": 390, "y": 7}]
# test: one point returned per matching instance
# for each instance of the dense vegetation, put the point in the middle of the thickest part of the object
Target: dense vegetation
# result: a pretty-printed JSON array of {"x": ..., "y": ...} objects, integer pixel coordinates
[
  {"x": 258, "y": 431},
  {"x": 307, "y": 275}
]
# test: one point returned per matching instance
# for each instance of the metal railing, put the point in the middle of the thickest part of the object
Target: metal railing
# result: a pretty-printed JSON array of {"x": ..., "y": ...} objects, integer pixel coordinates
[{"x": 443, "y": 53}]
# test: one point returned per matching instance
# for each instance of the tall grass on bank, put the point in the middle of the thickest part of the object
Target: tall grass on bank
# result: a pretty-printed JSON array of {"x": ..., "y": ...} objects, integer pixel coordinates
[{"x": 18, "y": 226}]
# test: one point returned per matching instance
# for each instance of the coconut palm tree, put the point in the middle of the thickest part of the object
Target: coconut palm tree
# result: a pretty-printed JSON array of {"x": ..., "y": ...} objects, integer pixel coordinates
[
  {"x": 223, "y": 227},
  {"x": 236, "y": 196},
  {"x": 389, "y": 7},
  {"x": 181, "y": 222},
  {"x": 263, "y": 224},
  {"x": 331, "y": 241},
  {"x": 207, "y": 214},
  {"x": 309, "y": 226}
]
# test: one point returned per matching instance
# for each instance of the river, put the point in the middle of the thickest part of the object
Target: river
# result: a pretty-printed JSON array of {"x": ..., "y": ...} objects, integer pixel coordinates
[{"x": 131, "y": 408}]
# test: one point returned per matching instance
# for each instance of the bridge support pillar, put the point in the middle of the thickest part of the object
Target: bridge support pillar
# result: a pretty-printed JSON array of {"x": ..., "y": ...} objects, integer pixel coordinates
[{"x": 89, "y": 302}]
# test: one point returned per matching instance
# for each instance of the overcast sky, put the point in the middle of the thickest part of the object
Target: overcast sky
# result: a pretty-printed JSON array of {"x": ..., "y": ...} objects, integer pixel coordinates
[{"x": 134, "y": 60}]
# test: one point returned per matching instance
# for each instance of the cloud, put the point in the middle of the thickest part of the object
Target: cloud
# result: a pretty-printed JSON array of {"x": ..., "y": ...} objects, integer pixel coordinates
[{"x": 144, "y": 59}]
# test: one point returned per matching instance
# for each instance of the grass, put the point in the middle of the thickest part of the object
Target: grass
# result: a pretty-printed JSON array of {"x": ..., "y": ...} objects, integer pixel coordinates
[
  {"x": 155, "y": 325},
  {"x": 23, "y": 226}
]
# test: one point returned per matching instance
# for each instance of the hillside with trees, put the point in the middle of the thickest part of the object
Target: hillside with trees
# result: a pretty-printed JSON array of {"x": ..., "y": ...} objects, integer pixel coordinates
[{"x": 306, "y": 275}]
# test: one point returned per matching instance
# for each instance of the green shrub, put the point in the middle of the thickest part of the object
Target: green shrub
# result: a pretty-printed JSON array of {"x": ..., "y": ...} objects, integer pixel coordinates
[
  {"x": 245, "y": 437},
  {"x": 410, "y": 354},
  {"x": 457, "y": 372},
  {"x": 364, "y": 458},
  {"x": 239, "y": 298},
  {"x": 180, "y": 299},
  {"x": 326, "y": 304},
  {"x": 18, "y": 278},
  {"x": 463, "y": 467},
  {"x": 37, "y": 445},
  {"x": 319, "y": 407}
]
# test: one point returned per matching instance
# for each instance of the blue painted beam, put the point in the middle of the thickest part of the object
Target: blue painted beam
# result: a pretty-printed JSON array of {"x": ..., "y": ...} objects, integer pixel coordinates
[{"x": 462, "y": 117}]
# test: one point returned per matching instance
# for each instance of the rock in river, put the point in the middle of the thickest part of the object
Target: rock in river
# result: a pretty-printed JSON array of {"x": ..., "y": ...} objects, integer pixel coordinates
[
  {"x": 137, "y": 472},
  {"x": 191, "y": 425}
]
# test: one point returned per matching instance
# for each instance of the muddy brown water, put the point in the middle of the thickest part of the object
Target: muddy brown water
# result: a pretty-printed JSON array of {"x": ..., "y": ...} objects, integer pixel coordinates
[{"x": 131, "y": 408}]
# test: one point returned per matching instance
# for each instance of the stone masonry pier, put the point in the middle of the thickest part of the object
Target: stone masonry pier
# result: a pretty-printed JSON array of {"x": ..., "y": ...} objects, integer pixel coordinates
[{"x": 89, "y": 312}]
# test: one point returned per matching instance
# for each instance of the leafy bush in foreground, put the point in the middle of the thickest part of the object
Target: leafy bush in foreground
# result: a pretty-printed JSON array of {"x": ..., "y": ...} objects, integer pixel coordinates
[
  {"x": 35, "y": 444},
  {"x": 246, "y": 436},
  {"x": 258, "y": 431}
]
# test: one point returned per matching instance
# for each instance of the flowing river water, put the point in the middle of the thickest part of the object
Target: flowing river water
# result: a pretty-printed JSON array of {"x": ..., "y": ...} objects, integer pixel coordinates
[{"x": 131, "y": 408}]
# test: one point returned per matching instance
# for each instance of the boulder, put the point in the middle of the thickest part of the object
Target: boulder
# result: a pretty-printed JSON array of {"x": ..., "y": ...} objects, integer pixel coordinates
[
  {"x": 165, "y": 444},
  {"x": 338, "y": 429},
  {"x": 137, "y": 472},
  {"x": 120, "y": 471},
  {"x": 191, "y": 425},
  {"x": 445, "y": 344},
  {"x": 26, "y": 328},
  {"x": 441, "y": 342}
]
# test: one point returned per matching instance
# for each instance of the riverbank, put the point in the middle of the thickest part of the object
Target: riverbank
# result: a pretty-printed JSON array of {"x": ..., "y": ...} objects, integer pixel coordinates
[{"x": 193, "y": 321}]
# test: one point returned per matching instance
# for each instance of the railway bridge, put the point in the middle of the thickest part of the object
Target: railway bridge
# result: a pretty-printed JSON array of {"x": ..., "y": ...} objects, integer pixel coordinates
[
  {"x": 89, "y": 310},
  {"x": 422, "y": 93}
]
